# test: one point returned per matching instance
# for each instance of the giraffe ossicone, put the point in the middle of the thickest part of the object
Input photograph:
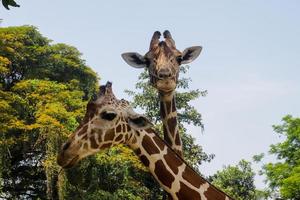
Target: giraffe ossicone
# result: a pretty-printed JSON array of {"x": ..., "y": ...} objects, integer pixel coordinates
[
  {"x": 162, "y": 62},
  {"x": 109, "y": 121}
]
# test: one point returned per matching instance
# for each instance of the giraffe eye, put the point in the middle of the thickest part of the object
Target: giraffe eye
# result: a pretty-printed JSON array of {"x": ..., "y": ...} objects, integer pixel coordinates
[
  {"x": 66, "y": 145},
  {"x": 179, "y": 59},
  {"x": 108, "y": 115}
]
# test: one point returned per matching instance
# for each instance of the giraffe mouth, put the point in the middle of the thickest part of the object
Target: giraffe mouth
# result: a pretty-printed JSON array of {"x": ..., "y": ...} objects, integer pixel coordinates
[
  {"x": 166, "y": 85},
  {"x": 71, "y": 163}
]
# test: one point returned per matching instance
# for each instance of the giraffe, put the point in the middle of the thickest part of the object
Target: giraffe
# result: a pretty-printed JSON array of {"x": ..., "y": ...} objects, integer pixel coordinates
[
  {"x": 109, "y": 121},
  {"x": 163, "y": 61}
]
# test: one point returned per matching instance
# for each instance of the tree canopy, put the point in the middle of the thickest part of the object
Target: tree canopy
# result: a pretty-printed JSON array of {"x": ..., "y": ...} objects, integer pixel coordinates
[
  {"x": 238, "y": 181},
  {"x": 26, "y": 54},
  {"x": 283, "y": 176},
  {"x": 43, "y": 95}
]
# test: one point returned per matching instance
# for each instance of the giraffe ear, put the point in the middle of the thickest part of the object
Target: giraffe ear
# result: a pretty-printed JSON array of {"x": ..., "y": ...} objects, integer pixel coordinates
[
  {"x": 190, "y": 54},
  {"x": 139, "y": 122},
  {"x": 135, "y": 60}
]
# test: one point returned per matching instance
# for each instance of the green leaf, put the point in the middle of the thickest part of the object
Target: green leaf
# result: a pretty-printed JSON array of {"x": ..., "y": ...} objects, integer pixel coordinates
[{"x": 283, "y": 175}]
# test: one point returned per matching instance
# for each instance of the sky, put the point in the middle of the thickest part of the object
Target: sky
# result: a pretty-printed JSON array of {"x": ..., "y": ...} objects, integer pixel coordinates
[{"x": 249, "y": 64}]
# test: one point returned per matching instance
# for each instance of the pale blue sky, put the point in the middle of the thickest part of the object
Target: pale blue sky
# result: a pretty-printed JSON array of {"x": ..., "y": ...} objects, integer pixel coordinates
[{"x": 249, "y": 64}]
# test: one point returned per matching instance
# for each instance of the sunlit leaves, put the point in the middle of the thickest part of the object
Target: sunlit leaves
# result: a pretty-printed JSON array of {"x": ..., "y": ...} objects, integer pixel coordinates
[
  {"x": 46, "y": 112},
  {"x": 4, "y": 64},
  {"x": 41, "y": 102},
  {"x": 121, "y": 155},
  {"x": 26, "y": 54},
  {"x": 284, "y": 175},
  {"x": 291, "y": 184},
  {"x": 237, "y": 181}
]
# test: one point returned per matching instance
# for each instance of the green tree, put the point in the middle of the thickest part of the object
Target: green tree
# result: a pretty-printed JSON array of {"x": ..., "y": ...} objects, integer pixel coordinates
[
  {"x": 43, "y": 92},
  {"x": 26, "y": 54},
  {"x": 46, "y": 113},
  {"x": 146, "y": 99},
  {"x": 116, "y": 174},
  {"x": 283, "y": 176},
  {"x": 237, "y": 181}
]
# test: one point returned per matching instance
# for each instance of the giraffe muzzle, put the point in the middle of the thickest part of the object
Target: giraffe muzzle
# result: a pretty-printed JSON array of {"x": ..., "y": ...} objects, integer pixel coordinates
[
  {"x": 68, "y": 155},
  {"x": 164, "y": 74},
  {"x": 166, "y": 85},
  {"x": 66, "y": 161}
]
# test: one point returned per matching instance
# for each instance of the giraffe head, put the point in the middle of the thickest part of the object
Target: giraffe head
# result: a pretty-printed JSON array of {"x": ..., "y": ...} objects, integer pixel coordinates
[
  {"x": 107, "y": 122},
  {"x": 162, "y": 61}
]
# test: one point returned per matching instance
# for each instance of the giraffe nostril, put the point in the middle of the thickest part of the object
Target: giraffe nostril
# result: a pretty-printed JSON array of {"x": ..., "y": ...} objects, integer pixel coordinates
[
  {"x": 164, "y": 74},
  {"x": 66, "y": 146}
]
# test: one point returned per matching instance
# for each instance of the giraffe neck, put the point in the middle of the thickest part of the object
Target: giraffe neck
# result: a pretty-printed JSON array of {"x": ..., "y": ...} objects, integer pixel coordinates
[
  {"x": 168, "y": 115},
  {"x": 178, "y": 179}
]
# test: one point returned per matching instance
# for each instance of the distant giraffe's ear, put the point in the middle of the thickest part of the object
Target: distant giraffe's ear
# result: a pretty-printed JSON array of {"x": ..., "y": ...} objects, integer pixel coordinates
[
  {"x": 190, "y": 54},
  {"x": 135, "y": 60},
  {"x": 139, "y": 122}
]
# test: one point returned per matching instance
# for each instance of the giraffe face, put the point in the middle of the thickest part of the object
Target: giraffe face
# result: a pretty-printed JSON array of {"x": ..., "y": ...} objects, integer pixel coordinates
[
  {"x": 107, "y": 122},
  {"x": 163, "y": 61},
  {"x": 163, "y": 68}
]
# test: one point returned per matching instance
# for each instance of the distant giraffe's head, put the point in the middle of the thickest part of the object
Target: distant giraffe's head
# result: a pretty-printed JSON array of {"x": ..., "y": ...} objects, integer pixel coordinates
[
  {"x": 108, "y": 121},
  {"x": 163, "y": 61}
]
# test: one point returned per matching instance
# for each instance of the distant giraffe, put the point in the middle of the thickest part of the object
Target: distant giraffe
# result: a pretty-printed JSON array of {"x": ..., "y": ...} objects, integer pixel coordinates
[
  {"x": 109, "y": 121},
  {"x": 163, "y": 61}
]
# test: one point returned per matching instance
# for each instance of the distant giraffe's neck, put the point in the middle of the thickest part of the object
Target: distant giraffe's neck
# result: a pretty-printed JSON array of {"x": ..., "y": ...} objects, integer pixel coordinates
[
  {"x": 168, "y": 114},
  {"x": 171, "y": 171}
]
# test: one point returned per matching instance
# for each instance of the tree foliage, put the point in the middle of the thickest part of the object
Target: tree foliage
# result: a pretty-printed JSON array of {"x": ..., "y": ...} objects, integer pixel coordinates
[
  {"x": 146, "y": 98},
  {"x": 237, "y": 181},
  {"x": 45, "y": 113},
  {"x": 43, "y": 88},
  {"x": 26, "y": 54},
  {"x": 116, "y": 174},
  {"x": 284, "y": 175}
]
